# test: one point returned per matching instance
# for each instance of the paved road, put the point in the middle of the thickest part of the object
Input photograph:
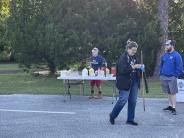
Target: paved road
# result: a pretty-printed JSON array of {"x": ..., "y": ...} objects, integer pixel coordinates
[{"x": 43, "y": 116}]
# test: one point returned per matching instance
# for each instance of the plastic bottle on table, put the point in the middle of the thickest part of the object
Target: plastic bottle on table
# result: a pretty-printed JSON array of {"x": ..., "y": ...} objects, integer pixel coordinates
[
  {"x": 107, "y": 71},
  {"x": 91, "y": 72},
  {"x": 84, "y": 72}
]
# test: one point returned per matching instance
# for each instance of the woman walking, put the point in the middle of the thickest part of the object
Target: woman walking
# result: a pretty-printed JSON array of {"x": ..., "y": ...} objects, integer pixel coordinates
[{"x": 127, "y": 82}]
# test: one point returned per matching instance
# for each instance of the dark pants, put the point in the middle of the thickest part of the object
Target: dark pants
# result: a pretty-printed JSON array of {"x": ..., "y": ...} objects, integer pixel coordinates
[{"x": 124, "y": 96}]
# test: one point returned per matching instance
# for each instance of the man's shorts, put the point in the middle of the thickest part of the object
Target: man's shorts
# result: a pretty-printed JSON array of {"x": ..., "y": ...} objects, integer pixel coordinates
[
  {"x": 169, "y": 84},
  {"x": 95, "y": 82}
]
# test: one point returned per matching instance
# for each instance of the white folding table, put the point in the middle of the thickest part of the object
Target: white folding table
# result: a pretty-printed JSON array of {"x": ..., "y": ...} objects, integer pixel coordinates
[{"x": 103, "y": 78}]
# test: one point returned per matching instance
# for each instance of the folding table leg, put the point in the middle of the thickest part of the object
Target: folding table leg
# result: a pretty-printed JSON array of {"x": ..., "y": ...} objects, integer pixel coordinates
[
  {"x": 83, "y": 87},
  {"x": 68, "y": 83},
  {"x": 66, "y": 89},
  {"x": 114, "y": 94}
]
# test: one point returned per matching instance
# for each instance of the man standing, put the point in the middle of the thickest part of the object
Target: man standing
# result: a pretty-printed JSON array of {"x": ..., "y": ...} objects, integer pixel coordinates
[
  {"x": 171, "y": 67},
  {"x": 96, "y": 62}
]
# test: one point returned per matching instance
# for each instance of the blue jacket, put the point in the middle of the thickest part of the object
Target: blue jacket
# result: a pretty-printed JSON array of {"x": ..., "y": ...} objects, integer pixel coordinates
[{"x": 171, "y": 64}]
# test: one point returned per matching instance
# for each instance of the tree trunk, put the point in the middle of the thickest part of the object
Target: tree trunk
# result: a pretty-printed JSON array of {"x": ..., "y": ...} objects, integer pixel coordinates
[
  {"x": 13, "y": 7},
  {"x": 52, "y": 68},
  {"x": 163, "y": 7},
  {"x": 51, "y": 65}
]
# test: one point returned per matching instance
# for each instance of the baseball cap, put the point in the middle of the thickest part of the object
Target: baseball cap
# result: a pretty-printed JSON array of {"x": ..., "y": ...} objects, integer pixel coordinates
[{"x": 170, "y": 42}]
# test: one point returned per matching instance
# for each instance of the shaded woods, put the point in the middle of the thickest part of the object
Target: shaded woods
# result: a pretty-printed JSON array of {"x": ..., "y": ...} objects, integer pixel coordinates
[{"x": 61, "y": 33}]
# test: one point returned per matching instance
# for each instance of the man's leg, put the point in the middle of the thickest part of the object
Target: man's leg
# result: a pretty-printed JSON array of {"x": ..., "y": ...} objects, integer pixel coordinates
[
  {"x": 98, "y": 85},
  {"x": 92, "y": 84},
  {"x": 169, "y": 100},
  {"x": 173, "y": 90},
  {"x": 173, "y": 100},
  {"x": 165, "y": 88},
  {"x": 169, "y": 107},
  {"x": 173, "y": 103}
]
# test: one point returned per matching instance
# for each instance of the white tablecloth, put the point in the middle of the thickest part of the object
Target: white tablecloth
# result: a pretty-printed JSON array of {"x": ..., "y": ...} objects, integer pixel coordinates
[
  {"x": 110, "y": 78},
  {"x": 180, "y": 94}
]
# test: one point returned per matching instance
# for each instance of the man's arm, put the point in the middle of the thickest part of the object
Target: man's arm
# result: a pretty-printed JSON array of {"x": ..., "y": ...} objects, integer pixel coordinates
[
  {"x": 179, "y": 65},
  {"x": 161, "y": 64}
]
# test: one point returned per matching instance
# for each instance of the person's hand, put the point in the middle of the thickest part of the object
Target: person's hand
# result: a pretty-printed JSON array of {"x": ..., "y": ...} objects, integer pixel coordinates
[
  {"x": 105, "y": 64},
  {"x": 136, "y": 66},
  {"x": 142, "y": 68}
]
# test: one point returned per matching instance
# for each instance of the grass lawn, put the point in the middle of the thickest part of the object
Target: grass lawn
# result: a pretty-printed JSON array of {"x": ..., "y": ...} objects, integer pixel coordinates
[
  {"x": 9, "y": 67},
  {"x": 23, "y": 83}
]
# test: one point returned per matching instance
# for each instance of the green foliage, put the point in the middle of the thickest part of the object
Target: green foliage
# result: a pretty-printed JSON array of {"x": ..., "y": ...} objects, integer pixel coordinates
[
  {"x": 62, "y": 33},
  {"x": 176, "y": 25},
  {"x": 150, "y": 42},
  {"x": 5, "y": 48}
]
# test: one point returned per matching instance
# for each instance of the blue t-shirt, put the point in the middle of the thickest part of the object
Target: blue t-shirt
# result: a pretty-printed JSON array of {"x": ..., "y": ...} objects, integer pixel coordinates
[
  {"x": 171, "y": 64},
  {"x": 97, "y": 62}
]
